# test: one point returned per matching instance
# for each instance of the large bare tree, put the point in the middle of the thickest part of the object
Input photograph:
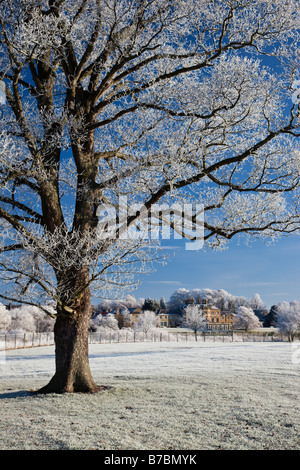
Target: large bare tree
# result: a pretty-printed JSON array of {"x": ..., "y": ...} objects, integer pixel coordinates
[{"x": 142, "y": 101}]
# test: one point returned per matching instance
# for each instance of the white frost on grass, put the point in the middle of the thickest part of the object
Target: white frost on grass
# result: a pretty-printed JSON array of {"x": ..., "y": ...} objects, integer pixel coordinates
[{"x": 163, "y": 396}]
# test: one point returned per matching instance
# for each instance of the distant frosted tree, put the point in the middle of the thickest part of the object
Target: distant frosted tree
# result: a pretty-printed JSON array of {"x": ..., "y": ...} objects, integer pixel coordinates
[
  {"x": 130, "y": 301},
  {"x": 288, "y": 319},
  {"x": 43, "y": 322},
  {"x": 105, "y": 321},
  {"x": 245, "y": 318},
  {"x": 219, "y": 298},
  {"x": 241, "y": 301},
  {"x": 256, "y": 302},
  {"x": 178, "y": 299},
  {"x": 147, "y": 321},
  {"x": 5, "y": 318},
  {"x": 126, "y": 318},
  {"x": 194, "y": 319},
  {"x": 22, "y": 320}
]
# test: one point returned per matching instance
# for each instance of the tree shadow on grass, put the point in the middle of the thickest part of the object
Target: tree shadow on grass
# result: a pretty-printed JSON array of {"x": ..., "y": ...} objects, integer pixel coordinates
[
  {"x": 16, "y": 394},
  {"x": 36, "y": 393}
]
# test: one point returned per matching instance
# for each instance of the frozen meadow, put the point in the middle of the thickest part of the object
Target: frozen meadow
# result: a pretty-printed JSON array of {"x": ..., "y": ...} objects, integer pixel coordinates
[{"x": 163, "y": 396}]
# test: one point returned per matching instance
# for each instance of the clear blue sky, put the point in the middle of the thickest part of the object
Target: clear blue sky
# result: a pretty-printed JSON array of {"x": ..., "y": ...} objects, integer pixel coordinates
[{"x": 271, "y": 271}]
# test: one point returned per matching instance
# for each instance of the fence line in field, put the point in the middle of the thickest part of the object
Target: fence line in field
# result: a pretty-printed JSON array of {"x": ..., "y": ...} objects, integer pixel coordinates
[
  {"x": 25, "y": 340},
  {"x": 30, "y": 340},
  {"x": 122, "y": 336}
]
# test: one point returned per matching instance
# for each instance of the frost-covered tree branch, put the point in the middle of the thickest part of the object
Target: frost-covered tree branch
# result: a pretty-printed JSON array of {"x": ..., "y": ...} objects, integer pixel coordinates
[{"x": 155, "y": 101}]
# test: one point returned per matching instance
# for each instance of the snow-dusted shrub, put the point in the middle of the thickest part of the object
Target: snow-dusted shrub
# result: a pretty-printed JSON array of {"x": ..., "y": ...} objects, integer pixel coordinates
[
  {"x": 43, "y": 322},
  {"x": 194, "y": 319},
  {"x": 147, "y": 321},
  {"x": 245, "y": 318},
  {"x": 108, "y": 321},
  {"x": 288, "y": 319},
  {"x": 126, "y": 320},
  {"x": 5, "y": 318},
  {"x": 29, "y": 318},
  {"x": 21, "y": 321}
]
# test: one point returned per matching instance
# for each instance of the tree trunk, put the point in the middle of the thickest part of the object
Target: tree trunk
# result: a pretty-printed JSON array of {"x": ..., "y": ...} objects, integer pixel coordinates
[{"x": 71, "y": 329}]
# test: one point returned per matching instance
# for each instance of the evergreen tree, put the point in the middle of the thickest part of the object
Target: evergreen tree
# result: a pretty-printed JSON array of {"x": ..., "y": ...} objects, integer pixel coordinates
[
  {"x": 272, "y": 317},
  {"x": 151, "y": 304}
]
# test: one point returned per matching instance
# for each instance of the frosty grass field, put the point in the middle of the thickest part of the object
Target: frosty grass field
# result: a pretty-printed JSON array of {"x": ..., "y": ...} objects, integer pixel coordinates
[{"x": 201, "y": 396}]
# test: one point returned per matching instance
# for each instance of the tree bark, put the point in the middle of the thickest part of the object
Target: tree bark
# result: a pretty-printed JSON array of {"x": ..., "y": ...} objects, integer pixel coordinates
[{"x": 71, "y": 329}]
